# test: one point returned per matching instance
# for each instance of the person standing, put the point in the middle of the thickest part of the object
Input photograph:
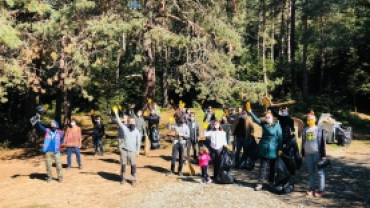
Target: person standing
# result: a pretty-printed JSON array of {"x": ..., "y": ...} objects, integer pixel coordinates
[
  {"x": 270, "y": 146},
  {"x": 286, "y": 123},
  {"x": 314, "y": 150},
  {"x": 209, "y": 116},
  {"x": 182, "y": 134},
  {"x": 194, "y": 134},
  {"x": 52, "y": 145},
  {"x": 73, "y": 142},
  {"x": 218, "y": 141},
  {"x": 204, "y": 159},
  {"x": 153, "y": 122},
  {"x": 242, "y": 130},
  {"x": 139, "y": 120},
  {"x": 129, "y": 147},
  {"x": 98, "y": 133}
]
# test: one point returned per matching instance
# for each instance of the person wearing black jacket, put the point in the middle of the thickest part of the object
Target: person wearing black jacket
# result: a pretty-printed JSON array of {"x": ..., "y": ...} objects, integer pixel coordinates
[
  {"x": 286, "y": 123},
  {"x": 98, "y": 133},
  {"x": 153, "y": 121}
]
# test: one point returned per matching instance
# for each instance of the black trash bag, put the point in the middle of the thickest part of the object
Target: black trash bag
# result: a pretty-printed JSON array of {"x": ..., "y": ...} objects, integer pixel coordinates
[
  {"x": 227, "y": 159},
  {"x": 154, "y": 139},
  {"x": 282, "y": 173},
  {"x": 252, "y": 150},
  {"x": 224, "y": 177},
  {"x": 247, "y": 164},
  {"x": 291, "y": 150},
  {"x": 286, "y": 187},
  {"x": 344, "y": 135}
]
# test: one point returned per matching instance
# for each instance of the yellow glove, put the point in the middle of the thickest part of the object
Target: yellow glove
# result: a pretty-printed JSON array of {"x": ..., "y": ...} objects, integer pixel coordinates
[
  {"x": 120, "y": 107},
  {"x": 248, "y": 106},
  {"x": 115, "y": 109},
  {"x": 92, "y": 112},
  {"x": 205, "y": 125},
  {"x": 280, "y": 152}
]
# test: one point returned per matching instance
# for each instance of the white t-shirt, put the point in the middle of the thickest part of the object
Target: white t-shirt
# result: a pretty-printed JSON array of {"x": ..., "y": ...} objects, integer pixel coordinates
[{"x": 218, "y": 138}]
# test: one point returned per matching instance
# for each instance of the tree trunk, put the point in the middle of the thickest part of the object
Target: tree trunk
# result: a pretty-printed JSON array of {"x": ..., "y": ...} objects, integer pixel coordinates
[
  {"x": 281, "y": 38},
  {"x": 292, "y": 47},
  {"x": 165, "y": 77},
  {"x": 273, "y": 35},
  {"x": 322, "y": 56},
  {"x": 264, "y": 45},
  {"x": 354, "y": 102},
  {"x": 304, "y": 55}
]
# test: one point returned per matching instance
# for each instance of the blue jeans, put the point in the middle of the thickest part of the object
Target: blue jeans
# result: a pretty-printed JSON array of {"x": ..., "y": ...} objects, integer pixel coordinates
[
  {"x": 312, "y": 160},
  {"x": 240, "y": 142},
  {"x": 69, "y": 155},
  {"x": 98, "y": 143}
]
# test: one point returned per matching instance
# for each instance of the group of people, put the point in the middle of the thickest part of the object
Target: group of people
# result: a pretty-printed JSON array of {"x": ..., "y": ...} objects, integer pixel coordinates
[
  {"x": 277, "y": 139},
  {"x": 274, "y": 141}
]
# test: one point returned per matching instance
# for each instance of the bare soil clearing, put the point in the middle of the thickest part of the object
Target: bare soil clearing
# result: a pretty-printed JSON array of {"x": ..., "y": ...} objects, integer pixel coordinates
[{"x": 22, "y": 175}]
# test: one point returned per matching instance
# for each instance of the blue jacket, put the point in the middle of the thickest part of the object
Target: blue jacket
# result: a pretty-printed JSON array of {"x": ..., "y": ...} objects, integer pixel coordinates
[
  {"x": 52, "y": 140},
  {"x": 272, "y": 138}
]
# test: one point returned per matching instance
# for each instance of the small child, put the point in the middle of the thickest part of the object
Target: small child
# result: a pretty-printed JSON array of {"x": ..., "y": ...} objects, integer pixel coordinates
[{"x": 204, "y": 159}]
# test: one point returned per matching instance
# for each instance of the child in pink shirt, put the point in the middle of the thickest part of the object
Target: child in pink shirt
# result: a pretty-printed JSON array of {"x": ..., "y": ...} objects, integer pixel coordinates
[{"x": 204, "y": 159}]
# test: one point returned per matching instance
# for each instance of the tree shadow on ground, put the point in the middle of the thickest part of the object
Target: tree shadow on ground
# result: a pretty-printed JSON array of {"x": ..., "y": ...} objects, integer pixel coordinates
[
  {"x": 110, "y": 161},
  {"x": 156, "y": 168},
  {"x": 109, "y": 176},
  {"x": 39, "y": 176}
]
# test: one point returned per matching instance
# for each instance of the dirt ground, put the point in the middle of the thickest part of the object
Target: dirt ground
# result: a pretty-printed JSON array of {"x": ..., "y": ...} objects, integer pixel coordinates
[{"x": 22, "y": 183}]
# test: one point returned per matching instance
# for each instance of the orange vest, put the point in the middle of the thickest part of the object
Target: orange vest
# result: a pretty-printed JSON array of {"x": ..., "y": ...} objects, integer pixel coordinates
[{"x": 73, "y": 137}]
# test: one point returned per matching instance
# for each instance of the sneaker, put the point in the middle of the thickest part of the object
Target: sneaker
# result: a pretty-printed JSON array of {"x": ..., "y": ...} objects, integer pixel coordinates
[
  {"x": 309, "y": 192},
  {"x": 60, "y": 180},
  {"x": 258, "y": 187},
  {"x": 48, "y": 180},
  {"x": 169, "y": 173},
  {"x": 180, "y": 174},
  {"x": 133, "y": 183},
  {"x": 209, "y": 180},
  {"x": 69, "y": 167},
  {"x": 80, "y": 166},
  {"x": 185, "y": 162},
  {"x": 95, "y": 154},
  {"x": 122, "y": 182},
  {"x": 319, "y": 194}
]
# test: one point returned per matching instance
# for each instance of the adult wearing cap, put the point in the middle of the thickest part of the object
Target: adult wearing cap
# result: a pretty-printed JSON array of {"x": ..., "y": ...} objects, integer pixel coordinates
[{"x": 52, "y": 144}]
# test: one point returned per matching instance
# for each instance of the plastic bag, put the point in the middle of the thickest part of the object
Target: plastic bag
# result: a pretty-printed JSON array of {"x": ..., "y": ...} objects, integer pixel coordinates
[
  {"x": 224, "y": 177},
  {"x": 154, "y": 139},
  {"x": 228, "y": 159},
  {"x": 247, "y": 164},
  {"x": 281, "y": 172},
  {"x": 287, "y": 186},
  {"x": 344, "y": 135},
  {"x": 291, "y": 150}
]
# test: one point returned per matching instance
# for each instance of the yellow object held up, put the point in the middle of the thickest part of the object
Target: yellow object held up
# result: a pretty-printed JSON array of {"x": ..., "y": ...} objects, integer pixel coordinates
[
  {"x": 145, "y": 113},
  {"x": 115, "y": 109},
  {"x": 171, "y": 120},
  {"x": 92, "y": 112},
  {"x": 248, "y": 106},
  {"x": 205, "y": 125}
]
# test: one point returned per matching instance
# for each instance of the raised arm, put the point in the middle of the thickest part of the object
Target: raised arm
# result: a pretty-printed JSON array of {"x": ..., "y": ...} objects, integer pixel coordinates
[
  {"x": 93, "y": 119},
  {"x": 121, "y": 125},
  {"x": 41, "y": 127},
  {"x": 255, "y": 118},
  {"x": 114, "y": 120}
]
